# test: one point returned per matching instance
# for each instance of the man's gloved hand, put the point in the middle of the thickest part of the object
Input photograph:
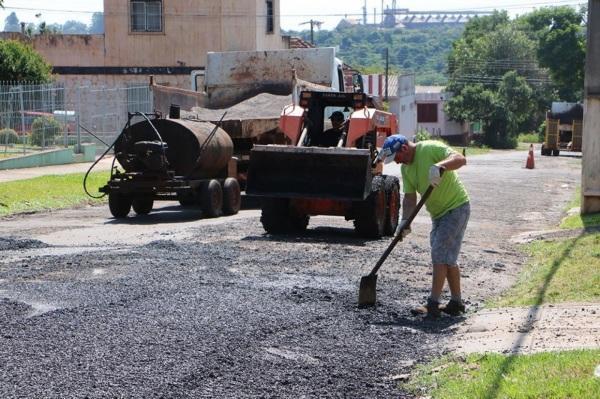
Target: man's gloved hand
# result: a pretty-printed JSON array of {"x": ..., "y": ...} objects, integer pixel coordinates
[
  {"x": 435, "y": 175},
  {"x": 403, "y": 229}
]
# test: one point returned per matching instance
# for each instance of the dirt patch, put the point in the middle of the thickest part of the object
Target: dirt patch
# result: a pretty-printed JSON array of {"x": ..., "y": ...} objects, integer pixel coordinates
[{"x": 529, "y": 330}]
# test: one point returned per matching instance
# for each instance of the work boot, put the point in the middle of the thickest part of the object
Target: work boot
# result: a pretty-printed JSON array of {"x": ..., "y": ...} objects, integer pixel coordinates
[
  {"x": 430, "y": 309},
  {"x": 453, "y": 308}
]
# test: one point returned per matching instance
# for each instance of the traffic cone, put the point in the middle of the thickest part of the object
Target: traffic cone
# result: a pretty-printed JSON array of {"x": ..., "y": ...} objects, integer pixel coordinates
[{"x": 530, "y": 162}]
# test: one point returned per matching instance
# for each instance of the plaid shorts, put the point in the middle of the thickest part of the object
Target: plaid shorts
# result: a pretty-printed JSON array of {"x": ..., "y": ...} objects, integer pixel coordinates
[{"x": 447, "y": 234}]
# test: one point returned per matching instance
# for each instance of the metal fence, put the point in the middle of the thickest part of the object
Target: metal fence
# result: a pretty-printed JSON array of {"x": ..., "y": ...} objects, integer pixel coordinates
[{"x": 37, "y": 117}]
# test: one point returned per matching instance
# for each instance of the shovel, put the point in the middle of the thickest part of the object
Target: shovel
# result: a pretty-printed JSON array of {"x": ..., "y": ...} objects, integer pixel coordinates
[{"x": 367, "y": 294}]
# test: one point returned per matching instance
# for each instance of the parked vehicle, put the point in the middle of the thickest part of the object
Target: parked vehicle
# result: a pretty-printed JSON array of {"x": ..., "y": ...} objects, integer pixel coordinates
[{"x": 564, "y": 128}]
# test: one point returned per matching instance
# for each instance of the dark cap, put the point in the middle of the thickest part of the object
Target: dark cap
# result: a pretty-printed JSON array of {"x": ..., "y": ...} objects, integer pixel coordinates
[{"x": 337, "y": 115}]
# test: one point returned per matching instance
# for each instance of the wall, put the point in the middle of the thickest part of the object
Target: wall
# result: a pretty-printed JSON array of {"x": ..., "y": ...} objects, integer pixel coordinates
[
  {"x": 191, "y": 28},
  {"x": 444, "y": 127}
]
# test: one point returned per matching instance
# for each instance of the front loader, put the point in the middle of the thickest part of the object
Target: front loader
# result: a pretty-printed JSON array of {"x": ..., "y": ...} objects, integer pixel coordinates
[{"x": 303, "y": 179}]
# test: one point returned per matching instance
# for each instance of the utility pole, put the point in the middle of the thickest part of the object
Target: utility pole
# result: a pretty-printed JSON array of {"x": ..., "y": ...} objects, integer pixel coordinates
[
  {"x": 387, "y": 72},
  {"x": 365, "y": 13},
  {"x": 312, "y": 23},
  {"x": 590, "y": 178}
]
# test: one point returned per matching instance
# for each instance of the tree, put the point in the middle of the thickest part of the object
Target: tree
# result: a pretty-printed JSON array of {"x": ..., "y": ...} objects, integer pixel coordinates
[
  {"x": 97, "y": 25},
  {"x": 489, "y": 76},
  {"x": 11, "y": 23},
  {"x": 74, "y": 27},
  {"x": 561, "y": 46},
  {"x": 20, "y": 62}
]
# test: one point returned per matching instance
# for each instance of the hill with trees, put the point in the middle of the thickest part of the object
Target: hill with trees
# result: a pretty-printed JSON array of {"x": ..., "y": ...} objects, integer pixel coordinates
[{"x": 422, "y": 51}]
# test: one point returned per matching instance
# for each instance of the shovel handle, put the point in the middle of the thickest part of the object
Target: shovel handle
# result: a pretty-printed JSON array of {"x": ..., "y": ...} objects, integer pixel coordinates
[{"x": 398, "y": 237}]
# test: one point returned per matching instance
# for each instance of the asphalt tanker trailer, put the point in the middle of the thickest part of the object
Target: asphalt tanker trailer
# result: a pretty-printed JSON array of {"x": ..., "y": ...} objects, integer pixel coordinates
[{"x": 166, "y": 159}]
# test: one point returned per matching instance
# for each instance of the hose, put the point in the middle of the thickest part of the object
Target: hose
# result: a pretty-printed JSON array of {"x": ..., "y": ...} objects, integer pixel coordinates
[{"x": 115, "y": 158}]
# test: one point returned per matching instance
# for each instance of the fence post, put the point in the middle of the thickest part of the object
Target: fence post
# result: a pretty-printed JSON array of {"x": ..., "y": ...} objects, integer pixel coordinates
[
  {"x": 22, "y": 117},
  {"x": 78, "y": 150},
  {"x": 65, "y": 119}
]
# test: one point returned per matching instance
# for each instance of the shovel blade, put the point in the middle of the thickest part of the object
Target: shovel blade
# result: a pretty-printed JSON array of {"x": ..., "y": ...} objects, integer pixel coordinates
[{"x": 367, "y": 294}]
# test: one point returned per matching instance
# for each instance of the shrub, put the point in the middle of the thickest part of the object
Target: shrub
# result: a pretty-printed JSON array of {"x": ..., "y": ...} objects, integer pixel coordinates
[
  {"x": 532, "y": 137},
  {"x": 8, "y": 136},
  {"x": 43, "y": 131},
  {"x": 422, "y": 135}
]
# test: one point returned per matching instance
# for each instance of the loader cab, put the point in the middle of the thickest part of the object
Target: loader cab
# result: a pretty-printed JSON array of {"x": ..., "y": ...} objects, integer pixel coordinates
[{"x": 320, "y": 106}]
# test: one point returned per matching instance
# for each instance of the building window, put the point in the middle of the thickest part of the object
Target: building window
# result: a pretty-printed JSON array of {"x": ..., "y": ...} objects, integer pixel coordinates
[
  {"x": 427, "y": 113},
  {"x": 270, "y": 17},
  {"x": 146, "y": 16}
]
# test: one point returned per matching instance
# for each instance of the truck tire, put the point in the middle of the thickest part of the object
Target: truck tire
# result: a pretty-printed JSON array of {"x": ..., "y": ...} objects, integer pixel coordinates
[
  {"x": 370, "y": 216},
  {"x": 212, "y": 199},
  {"x": 185, "y": 200},
  {"x": 119, "y": 205},
  {"x": 142, "y": 206},
  {"x": 392, "y": 209},
  {"x": 232, "y": 198},
  {"x": 277, "y": 217}
]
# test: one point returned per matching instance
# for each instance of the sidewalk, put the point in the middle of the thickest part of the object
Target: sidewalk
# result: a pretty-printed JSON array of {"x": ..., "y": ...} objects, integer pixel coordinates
[{"x": 29, "y": 173}]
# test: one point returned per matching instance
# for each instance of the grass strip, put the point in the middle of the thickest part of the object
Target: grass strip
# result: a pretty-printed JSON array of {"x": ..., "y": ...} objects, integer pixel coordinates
[
  {"x": 49, "y": 192},
  {"x": 559, "y": 271},
  {"x": 472, "y": 150},
  {"x": 579, "y": 221},
  {"x": 546, "y": 375}
]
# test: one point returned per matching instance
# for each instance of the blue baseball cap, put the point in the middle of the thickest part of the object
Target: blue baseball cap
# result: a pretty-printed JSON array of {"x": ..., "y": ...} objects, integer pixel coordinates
[{"x": 391, "y": 146}]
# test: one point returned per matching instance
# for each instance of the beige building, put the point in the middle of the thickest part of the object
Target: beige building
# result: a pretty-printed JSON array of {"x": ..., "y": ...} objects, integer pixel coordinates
[{"x": 164, "y": 38}]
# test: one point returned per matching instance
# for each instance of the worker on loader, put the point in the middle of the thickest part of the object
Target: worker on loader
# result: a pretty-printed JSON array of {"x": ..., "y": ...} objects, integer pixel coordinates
[
  {"x": 331, "y": 137},
  {"x": 433, "y": 163}
]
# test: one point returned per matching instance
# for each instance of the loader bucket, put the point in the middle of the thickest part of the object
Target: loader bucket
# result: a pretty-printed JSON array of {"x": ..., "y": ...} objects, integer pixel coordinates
[{"x": 309, "y": 172}]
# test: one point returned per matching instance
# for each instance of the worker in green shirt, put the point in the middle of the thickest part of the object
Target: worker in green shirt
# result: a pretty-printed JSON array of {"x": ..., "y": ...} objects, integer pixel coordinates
[{"x": 433, "y": 163}]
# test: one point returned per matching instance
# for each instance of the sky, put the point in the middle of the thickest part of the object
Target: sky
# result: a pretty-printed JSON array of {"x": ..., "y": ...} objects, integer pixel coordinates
[{"x": 293, "y": 12}]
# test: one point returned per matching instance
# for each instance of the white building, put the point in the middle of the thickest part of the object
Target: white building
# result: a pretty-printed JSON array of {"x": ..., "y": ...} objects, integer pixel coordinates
[{"x": 432, "y": 117}]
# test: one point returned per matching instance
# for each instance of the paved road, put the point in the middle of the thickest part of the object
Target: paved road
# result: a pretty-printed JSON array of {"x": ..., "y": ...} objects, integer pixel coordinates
[{"x": 171, "y": 305}]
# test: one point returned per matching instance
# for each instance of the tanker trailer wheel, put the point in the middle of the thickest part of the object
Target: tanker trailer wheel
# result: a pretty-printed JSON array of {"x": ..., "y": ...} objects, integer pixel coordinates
[
  {"x": 232, "y": 198},
  {"x": 143, "y": 206},
  {"x": 119, "y": 205},
  {"x": 278, "y": 218},
  {"x": 370, "y": 215},
  {"x": 212, "y": 199},
  {"x": 392, "y": 211}
]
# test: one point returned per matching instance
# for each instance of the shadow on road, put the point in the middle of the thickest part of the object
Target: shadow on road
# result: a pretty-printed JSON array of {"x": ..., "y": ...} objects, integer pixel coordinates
[
  {"x": 426, "y": 325},
  {"x": 167, "y": 214}
]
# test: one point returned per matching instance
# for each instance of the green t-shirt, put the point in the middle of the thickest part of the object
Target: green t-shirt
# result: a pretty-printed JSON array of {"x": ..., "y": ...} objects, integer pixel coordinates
[{"x": 449, "y": 194}]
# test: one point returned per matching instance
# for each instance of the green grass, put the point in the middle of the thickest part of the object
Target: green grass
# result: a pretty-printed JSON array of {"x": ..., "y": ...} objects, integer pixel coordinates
[
  {"x": 494, "y": 376},
  {"x": 566, "y": 270},
  {"x": 529, "y": 138},
  {"x": 579, "y": 221},
  {"x": 49, "y": 192},
  {"x": 472, "y": 150}
]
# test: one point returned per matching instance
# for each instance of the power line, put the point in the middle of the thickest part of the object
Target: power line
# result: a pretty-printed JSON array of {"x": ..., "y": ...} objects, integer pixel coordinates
[{"x": 357, "y": 14}]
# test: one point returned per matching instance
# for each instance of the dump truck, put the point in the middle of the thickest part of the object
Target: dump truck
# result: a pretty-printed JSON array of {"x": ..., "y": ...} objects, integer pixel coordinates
[
  {"x": 173, "y": 159},
  {"x": 303, "y": 178},
  {"x": 564, "y": 128}
]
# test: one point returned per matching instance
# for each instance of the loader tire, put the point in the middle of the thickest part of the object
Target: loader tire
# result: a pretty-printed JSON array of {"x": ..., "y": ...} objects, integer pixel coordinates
[
  {"x": 277, "y": 217},
  {"x": 142, "y": 206},
  {"x": 392, "y": 209},
  {"x": 232, "y": 198},
  {"x": 212, "y": 199},
  {"x": 370, "y": 216},
  {"x": 555, "y": 153},
  {"x": 119, "y": 205}
]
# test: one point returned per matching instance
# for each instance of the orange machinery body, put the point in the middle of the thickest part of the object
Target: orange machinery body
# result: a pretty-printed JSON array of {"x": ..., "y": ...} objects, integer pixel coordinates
[{"x": 360, "y": 122}]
